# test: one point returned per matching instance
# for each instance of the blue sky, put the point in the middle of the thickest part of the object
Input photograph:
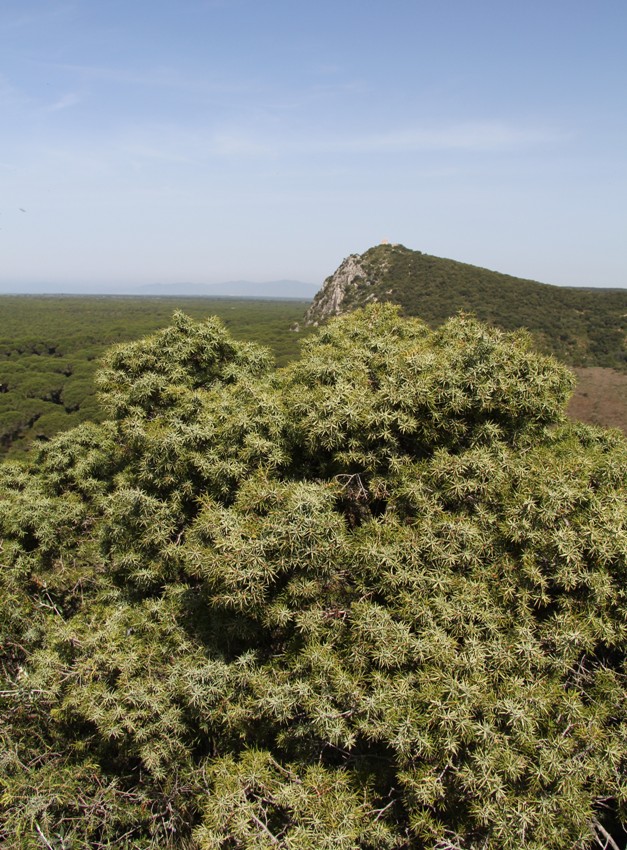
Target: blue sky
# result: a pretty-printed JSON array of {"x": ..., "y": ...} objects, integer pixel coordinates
[{"x": 208, "y": 140}]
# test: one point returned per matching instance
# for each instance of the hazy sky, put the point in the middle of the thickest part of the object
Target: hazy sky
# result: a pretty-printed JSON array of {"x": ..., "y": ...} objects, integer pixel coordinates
[{"x": 207, "y": 140}]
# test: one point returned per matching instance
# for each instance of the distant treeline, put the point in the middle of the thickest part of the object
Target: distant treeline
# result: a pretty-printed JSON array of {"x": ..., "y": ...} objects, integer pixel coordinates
[{"x": 50, "y": 347}]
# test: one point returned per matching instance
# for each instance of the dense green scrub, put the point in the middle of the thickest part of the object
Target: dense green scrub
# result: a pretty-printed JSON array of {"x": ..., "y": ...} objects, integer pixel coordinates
[
  {"x": 582, "y": 327},
  {"x": 376, "y": 599},
  {"x": 50, "y": 346}
]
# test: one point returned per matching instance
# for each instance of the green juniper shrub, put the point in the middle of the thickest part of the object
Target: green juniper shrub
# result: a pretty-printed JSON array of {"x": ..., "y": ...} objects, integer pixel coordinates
[{"x": 375, "y": 599}]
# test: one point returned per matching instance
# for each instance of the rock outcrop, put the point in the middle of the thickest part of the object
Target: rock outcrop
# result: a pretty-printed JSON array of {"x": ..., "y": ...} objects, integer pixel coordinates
[{"x": 339, "y": 290}]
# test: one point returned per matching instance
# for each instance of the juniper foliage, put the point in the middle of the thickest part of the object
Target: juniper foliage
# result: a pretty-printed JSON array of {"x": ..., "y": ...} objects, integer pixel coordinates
[{"x": 373, "y": 600}]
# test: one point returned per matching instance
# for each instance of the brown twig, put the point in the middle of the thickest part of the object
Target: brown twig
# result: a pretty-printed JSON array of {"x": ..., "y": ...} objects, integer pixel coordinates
[{"x": 604, "y": 834}]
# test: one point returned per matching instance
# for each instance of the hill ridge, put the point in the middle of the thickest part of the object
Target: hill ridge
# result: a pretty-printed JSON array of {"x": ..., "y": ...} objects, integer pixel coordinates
[{"x": 581, "y": 326}]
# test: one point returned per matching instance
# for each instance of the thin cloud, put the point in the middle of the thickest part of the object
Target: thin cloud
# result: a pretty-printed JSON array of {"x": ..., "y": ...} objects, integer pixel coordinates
[
  {"x": 303, "y": 100},
  {"x": 9, "y": 94},
  {"x": 65, "y": 102},
  {"x": 234, "y": 145},
  {"x": 146, "y": 152},
  {"x": 246, "y": 142},
  {"x": 153, "y": 76},
  {"x": 158, "y": 77},
  {"x": 30, "y": 19},
  {"x": 478, "y": 137}
]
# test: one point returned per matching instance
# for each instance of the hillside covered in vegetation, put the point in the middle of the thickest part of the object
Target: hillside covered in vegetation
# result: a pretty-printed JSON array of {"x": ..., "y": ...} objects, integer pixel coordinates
[
  {"x": 376, "y": 599},
  {"x": 582, "y": 327}
]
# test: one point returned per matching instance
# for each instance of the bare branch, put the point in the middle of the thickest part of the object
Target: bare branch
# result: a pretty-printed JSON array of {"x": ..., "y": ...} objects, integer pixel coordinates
[
  {"x": 260, "y": 823},
  {"x": 603, "y": 835},
  {"x": 43, "y": 837}
]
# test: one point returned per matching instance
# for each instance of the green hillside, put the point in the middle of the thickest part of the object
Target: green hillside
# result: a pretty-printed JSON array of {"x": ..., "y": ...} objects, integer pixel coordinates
[{"x": 583, "y": 327}]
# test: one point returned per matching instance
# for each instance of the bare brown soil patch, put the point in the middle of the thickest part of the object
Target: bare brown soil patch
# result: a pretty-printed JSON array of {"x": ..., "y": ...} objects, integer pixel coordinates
[{"x": 600, "y": 397}]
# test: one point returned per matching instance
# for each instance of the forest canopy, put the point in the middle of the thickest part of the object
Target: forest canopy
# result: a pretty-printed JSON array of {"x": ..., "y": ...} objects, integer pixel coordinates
[
  {"x": 375, "y": 599},
  {"x": 50, "y": 347}
]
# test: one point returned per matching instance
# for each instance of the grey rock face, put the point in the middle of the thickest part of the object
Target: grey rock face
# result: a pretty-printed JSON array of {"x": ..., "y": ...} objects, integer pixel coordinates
[{"x": 337, "y": 289}]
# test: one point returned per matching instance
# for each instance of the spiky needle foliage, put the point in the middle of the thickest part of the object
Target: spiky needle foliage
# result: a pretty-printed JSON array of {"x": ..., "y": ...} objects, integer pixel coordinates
[{"x": 374, "y": 600}]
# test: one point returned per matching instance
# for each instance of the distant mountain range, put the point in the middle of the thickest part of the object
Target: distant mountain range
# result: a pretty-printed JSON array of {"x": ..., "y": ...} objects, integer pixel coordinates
[
  {"x": 583, "y": 327},
  {"x": 234, "y": 288}
]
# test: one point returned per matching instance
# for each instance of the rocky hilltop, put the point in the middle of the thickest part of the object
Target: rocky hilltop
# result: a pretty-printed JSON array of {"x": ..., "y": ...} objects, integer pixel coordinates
[
  {"x": 583, "y": 327},
  {"x": 345, "y": 287}
]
